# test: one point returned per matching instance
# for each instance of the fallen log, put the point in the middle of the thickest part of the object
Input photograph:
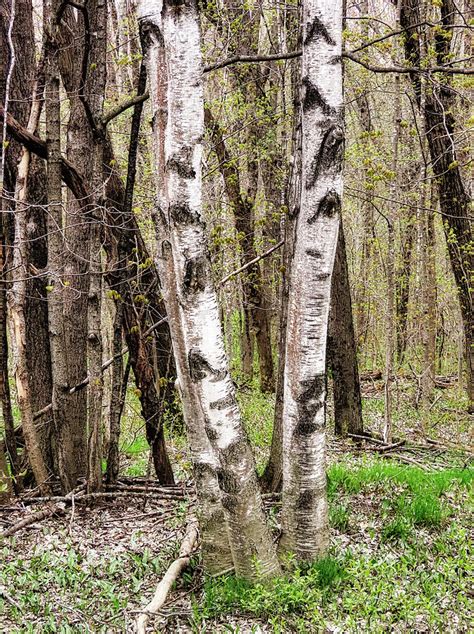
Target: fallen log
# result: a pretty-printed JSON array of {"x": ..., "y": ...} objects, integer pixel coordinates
[{"x": 163, "y": 588}]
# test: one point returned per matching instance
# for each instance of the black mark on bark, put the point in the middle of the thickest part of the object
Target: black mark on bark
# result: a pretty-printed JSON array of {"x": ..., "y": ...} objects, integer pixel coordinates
[
  {"x": 329, "y": 155},
  {"x": 182, "y": 214},
  {"x": 314, "y": 253},
  {"x": 317, "y": 29},
  {"x": 181, "y": 163},
  {"x": 150, "y": 33},
  {"x": 199, "y": 367},
  {"x": 211, "y": 433},
  {"x": 313, "y": 98},
  {"x": 328, "y": 206},
  {"x": 222, "y": 403},
  {"x": 310, "y": 401},
  {"x": 195, "y": 275},
  {"x": 305, "y": 500}
]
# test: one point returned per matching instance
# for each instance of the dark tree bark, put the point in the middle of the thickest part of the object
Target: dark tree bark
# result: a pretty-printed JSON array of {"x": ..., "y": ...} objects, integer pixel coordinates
[
  {"x": 440, "y": 124},
  {"x": 342, "y": 349},
  {"x": 36, "y": 313}
]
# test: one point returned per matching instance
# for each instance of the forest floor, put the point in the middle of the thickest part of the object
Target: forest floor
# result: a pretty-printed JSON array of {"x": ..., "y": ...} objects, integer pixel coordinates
[{"x": 400, "y": 557}]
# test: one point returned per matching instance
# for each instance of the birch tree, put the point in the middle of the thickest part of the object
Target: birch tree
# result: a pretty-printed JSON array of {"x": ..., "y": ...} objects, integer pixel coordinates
[
  {"x": 171, "y": 41},
  {"x": 305, "y": 521}
]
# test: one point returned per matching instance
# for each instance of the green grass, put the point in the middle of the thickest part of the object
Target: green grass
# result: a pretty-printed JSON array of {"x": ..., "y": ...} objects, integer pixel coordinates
[
  {"x": 356, "y": 591},
  {"x": 413, "y": 574},
  {"x": 376, "y": 474},
  {"x": 339, "y": 515}
]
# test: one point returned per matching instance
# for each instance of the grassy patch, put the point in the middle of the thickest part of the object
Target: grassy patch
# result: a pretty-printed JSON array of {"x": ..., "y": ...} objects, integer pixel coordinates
[{"x": 406, "y": 570}]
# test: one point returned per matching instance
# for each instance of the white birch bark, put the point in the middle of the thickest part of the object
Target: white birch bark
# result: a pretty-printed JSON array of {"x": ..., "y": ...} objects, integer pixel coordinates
[
  {"x": 171, "y": 39},
  {"x": 305, "y": 517}
]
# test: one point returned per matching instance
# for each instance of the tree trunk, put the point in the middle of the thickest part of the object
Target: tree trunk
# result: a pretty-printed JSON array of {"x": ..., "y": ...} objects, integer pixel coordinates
[
  {"x": 440, "y": 124},
  {"x": 402, "y": 282},
  {"x": 272, "y": 477},
  {"x": 22, "y": 90},
  {"x": 94, "y": 101},
  {"x": 342, "y": 349},
  {"x": 66, "y": 451},
  {"x": 5, "y": 396},
  {"x": 173, "y": 57},
  {"x": 5, "y": 479},
  {"x": 18, "y": 304},
  {"x": 305, "y": 514},
  {"x": 428, "y": 270}
]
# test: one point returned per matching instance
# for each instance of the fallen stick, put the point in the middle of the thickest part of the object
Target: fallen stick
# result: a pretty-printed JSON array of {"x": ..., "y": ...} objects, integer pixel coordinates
[
  {"x": 7, "y": 597},
  {"x": 367, "y": 438},
  {"x": 32, "y": 519},
  {"x": 163, "y": 588},
  {"x": 94, "y": 496},
  {"x": 170, "y": 493}
]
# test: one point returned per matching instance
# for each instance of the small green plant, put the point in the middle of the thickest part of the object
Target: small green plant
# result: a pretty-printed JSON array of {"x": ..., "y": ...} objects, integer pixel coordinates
[
  {"x": 396, "y": 530},
  {"x": 425, "y": 510},
  {"x": 339, "y": 515}
]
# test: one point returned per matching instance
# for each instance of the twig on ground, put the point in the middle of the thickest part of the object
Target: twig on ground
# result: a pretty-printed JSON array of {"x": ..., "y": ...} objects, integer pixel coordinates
[
  {"x": 7, "y": 597},
  {"x": 162, "y": 590},
  {"x": 86, "y": 497},
  {"x": 32, "y": 519}
]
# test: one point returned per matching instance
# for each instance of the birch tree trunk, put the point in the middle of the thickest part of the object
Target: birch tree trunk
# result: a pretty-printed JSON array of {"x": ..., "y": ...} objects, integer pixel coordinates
[
  {"x": 171, "y": 38},
  {"x": 305, "y": 513}
]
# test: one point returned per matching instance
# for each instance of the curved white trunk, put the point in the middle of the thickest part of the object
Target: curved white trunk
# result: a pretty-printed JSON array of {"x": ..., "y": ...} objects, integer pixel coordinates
[
  {"x": 305, "y": 522},
  {"x": 171, "y": 38}
]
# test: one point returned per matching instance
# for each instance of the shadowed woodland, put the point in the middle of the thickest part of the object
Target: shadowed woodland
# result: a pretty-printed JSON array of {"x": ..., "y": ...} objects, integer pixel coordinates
[{"x": 237, "y": 362}]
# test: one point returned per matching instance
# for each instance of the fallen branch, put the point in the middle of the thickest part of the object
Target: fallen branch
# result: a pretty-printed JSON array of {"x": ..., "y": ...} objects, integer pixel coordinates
[
  {"x": 170, "y": 493},
  {"x": 11, "y": 600},
  {"x": 94, "y": 496},
  {"x": 163, "y": 588},
  {"x": 368, "y": 438},
  {"x": 32, "y": 519}
]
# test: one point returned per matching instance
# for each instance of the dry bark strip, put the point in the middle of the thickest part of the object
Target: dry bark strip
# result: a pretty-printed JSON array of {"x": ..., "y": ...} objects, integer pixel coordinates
[
  {"x": 32, "y": 519},
  {"x": 163, "y": 588}
]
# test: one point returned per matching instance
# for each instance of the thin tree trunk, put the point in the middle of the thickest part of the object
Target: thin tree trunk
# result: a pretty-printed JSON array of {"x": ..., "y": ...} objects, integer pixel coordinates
[
  {"x": 94, "y": 98},
  {"x": 173, "y": 58},
  {"x": 5, "y": 479},
  {"x": 428, "y": 254},
  {"x": 402, "y": 282},
  {"x": 390, "y": 259},
  {"x": 5, "y": 396},
  {"x": 305, "y": 513},
  {"x": 65, "y": 450},
  {"x": 272, "y": 477},
  {"x": 116, "y": 404}
]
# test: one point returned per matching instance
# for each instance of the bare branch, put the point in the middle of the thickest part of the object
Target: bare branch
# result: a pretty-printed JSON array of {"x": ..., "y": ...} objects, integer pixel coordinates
[{"x": 251, "y": 263}]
